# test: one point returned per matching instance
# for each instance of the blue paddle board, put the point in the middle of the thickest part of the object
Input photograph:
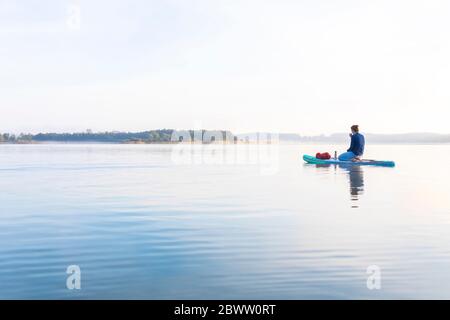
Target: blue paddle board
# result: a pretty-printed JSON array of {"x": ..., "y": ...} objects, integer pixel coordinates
[{"x": 363, "y": 162}]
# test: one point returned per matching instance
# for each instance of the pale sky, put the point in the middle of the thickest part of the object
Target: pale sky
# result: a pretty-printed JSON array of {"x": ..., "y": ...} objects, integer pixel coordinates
[{"x": 246, "y": 65}]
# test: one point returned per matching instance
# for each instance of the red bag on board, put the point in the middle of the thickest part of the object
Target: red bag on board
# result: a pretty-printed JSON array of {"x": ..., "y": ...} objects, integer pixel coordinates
[{"x": 323, "y": 156}]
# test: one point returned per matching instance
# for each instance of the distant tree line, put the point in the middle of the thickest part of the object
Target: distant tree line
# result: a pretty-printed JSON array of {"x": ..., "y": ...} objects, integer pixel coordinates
[
  {"x": 207, "y": 136},
  {"x": 163, "y": 135},
  {"x": 152, "y": 136},
  {"x": 12, "y": 138}
]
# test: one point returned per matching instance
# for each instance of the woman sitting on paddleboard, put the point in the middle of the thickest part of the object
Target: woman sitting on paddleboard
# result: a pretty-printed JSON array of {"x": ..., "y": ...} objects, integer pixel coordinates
[{"x": 356, "y": 150}]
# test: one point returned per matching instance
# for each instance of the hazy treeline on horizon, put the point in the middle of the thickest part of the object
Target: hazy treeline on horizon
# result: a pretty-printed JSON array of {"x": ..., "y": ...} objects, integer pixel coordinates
[{"x": 172, "y": 135}]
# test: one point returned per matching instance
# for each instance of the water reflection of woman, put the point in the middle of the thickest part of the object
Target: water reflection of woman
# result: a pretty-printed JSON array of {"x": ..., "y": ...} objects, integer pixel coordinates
[{"x": 356, "y": 178}]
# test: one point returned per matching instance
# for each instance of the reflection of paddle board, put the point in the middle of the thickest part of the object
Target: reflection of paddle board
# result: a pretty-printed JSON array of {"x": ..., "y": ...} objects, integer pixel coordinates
[{"x": 314, "y": 160}]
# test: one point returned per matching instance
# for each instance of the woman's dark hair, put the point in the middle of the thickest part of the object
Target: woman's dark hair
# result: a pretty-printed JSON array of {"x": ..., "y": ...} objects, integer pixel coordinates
[{"x": 355, "y": 128}]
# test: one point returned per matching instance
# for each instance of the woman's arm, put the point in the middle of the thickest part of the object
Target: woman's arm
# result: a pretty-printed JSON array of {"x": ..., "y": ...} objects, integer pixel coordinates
[{"x": 352, "y": 143}]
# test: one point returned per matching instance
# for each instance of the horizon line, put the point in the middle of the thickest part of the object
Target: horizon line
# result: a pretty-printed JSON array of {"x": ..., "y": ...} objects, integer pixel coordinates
[{"x": 89, "y": 131}]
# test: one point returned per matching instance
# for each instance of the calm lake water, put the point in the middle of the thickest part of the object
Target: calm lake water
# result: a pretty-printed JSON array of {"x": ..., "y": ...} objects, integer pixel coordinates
[{"x": 222, "y": 222}]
